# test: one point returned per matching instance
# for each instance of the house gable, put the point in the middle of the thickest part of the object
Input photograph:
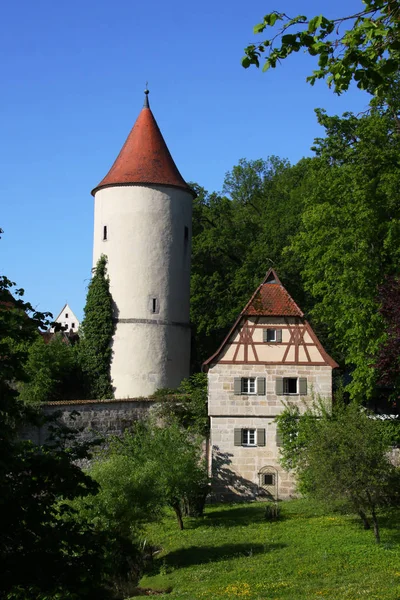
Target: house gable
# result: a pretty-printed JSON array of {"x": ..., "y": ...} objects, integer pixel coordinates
[{"x": 271, "y": 329}]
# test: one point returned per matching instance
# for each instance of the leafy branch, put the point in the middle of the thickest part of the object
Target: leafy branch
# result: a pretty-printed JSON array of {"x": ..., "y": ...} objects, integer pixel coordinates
[{"x": 367, "y": 53}]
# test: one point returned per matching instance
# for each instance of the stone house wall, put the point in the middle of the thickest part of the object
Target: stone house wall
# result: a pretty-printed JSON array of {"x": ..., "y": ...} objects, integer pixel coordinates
[{"x": 236, "y": 468}]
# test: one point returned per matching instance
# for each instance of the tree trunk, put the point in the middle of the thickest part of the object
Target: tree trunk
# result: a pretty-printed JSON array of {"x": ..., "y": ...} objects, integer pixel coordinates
[
  {"x": 178, "y": 513},
  {"x": 376, "y": 527},
  {"x": 364, "y": 519}
]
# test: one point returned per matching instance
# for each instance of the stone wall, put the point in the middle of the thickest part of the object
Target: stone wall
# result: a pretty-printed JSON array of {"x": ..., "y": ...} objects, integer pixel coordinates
[{"x": 93, "y": 418}]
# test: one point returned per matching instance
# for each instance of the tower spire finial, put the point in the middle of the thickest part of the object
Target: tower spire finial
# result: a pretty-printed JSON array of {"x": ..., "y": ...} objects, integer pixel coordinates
[{"x": 146, "y": 98}]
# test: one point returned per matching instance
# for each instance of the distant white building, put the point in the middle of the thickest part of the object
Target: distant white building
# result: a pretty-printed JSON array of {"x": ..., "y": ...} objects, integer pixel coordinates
[{"x": 67, "y": 319}]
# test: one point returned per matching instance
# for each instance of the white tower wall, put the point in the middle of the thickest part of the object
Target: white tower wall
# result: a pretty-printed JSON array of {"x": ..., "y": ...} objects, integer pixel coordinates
[{"x": 148, "y": 245}]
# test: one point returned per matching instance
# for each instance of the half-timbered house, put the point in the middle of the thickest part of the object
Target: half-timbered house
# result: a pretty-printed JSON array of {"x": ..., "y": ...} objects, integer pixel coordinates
[{"x": 270, "y": 357}]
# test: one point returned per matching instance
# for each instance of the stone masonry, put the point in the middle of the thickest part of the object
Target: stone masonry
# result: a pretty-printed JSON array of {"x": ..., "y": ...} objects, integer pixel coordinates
[{"x": 237, "y": 468}]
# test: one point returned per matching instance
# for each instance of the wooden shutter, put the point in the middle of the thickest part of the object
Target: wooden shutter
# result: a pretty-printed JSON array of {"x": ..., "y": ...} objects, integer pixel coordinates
[
  {"x": 237, "y": 386},
  {"x": 260, "y": 437},
  {"x": 279, "y": 386},
  {"x": 261, "y": 386},
  {"x": 237, "y": 437},
  {"x": 265, "y": 335},
  {"x": 278, "y": 336},
  {"x": 303, "y": 386}
]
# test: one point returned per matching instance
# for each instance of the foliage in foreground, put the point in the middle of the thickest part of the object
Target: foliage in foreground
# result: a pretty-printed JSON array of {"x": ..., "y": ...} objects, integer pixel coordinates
[
  {"x": 144, "y": 471},
  {"x": 368, "y": 52},
  {"x": 233, "y": 552},
  {"x": 341, "y": 456},
  {"x": 47, "y": 551},
  {"x": 96, "y": 333}
]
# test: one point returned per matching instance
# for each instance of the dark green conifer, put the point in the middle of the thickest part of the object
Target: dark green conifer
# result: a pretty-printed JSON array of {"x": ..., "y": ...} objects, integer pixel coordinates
[{"x": 97, "y": 329}]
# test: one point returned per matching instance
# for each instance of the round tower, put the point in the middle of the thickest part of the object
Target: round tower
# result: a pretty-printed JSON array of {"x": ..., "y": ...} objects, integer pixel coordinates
[{"x": 143, "y": 224}]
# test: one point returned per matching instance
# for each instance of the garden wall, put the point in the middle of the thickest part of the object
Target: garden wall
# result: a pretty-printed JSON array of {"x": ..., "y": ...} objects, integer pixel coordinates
[{"x": 93, "y": 418}]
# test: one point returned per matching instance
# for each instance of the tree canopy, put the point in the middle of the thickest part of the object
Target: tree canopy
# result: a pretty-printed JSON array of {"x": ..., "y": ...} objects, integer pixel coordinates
[{"x": 341, "y": 456}]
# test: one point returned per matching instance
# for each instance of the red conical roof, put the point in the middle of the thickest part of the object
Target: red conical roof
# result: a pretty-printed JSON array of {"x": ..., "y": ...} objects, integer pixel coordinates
[{"x": 144, "y": 158}]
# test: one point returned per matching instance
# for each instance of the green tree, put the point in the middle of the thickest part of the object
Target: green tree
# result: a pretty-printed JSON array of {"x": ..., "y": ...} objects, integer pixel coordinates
[
  {"x": 349, "y": 237},
  {"x": 342, "y": 457},
  {"x": 187, "y": 405},
  {"x": 368, "y": 51},
  {"x": 96, "y": 331},
  {"x": 155, "y": 466},
  {"x": 236, "y": 238},
  {"x": 53, "y": 372}
]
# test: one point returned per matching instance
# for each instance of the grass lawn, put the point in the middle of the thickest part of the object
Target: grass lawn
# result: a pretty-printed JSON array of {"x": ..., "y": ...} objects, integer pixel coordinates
[{"x": 232, "y": 552}]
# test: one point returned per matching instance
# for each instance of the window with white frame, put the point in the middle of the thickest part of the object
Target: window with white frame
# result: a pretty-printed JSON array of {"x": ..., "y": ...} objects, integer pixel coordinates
[
  {"x": 291, "y": 385},
  {"x": 248, "y": 385},
  {"x": 248, "y": 437},
  {"x": 272, "y": 335}
]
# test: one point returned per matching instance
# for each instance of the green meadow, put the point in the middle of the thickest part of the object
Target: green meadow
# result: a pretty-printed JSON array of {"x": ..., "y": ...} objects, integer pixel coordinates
[{"x": 234, "y": 552}]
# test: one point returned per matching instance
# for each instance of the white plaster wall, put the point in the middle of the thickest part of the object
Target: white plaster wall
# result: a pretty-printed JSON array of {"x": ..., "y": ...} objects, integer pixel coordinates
[
  {"x": 146, "y": 357},
  {"x": 148, "y": 257},
  {"x": 67, "y": 321}
]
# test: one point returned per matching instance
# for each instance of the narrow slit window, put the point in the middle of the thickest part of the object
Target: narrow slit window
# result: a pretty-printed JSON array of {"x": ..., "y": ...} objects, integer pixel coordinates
[
  {"x": 66, "y": 315},
  {"x": 186, "y": 233},
  {"x": 154, "y": 305},
  {"x": 105, "y": 232}
]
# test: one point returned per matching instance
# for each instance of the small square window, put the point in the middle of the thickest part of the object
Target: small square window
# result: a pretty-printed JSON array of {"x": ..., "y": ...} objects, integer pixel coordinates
[
  {"x": 248, "y": 385},
  {"x": 290, "y": 385},
  {"x": 267, "y": 479},
  {"x": 271, "y": 335},
  {"x": 248, "y": 437}
]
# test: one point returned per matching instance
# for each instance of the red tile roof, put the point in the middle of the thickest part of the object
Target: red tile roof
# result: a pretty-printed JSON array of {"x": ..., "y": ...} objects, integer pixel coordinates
[
  {"x": 273, "y": 300},
  {"x": 144, "y": 158}
]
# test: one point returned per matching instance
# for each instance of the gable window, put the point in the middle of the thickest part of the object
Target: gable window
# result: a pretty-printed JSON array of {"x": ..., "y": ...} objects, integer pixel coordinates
[
  {"x": 290, "y": 386},
  {"x": 249, "y": 385},
  {"x": 271, "y": 336},
  {"x": 249, "y": 437},
  {"x": 66, "y": 315}
]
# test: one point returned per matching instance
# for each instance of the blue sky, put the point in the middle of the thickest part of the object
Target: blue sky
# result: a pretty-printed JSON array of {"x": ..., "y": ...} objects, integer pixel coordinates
[{"x": 72, "y": 77}]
